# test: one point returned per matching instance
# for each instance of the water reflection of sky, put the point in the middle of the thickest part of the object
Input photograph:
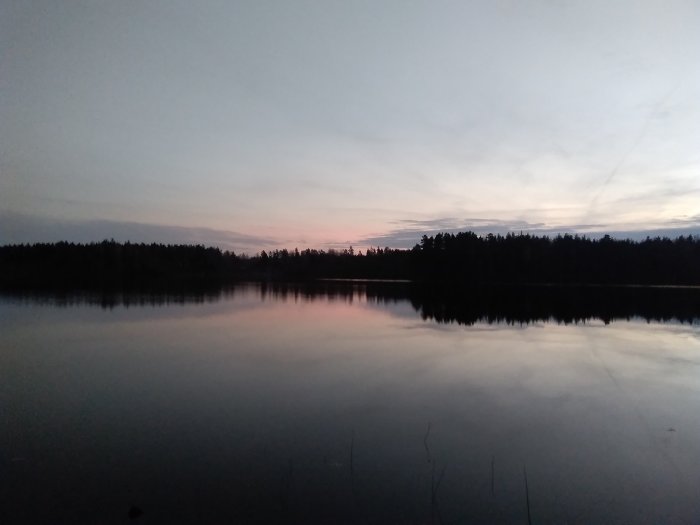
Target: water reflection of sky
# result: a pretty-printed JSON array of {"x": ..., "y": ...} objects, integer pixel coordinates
[{"x": 166, "y": 405}]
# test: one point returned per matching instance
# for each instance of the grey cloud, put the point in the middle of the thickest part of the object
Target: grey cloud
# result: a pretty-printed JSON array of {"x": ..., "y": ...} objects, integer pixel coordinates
[
  {"x": 693, "y": 220},
  {"x": 670, "y": 232},
  {"x": 410, "y": 231},
  {"x": 451, "y": 222},
  {"x": 410, "y": 234},
  {"x": 19, "y": 228}
]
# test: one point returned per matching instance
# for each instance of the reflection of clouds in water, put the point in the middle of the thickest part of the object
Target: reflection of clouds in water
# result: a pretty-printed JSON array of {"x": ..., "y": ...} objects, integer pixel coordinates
[{"x": 400, "y": 308}]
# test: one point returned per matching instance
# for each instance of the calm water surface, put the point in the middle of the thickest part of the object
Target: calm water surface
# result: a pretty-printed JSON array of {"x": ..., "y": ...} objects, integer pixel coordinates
[{"x": 251, "y": 407}]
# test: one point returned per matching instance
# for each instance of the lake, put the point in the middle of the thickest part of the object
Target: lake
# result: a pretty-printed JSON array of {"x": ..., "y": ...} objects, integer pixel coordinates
[{"x": 350, "y": 403}]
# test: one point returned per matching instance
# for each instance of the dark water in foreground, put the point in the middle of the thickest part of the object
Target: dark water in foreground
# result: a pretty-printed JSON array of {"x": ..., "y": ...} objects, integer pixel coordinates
[{"x": 343, "y": 406}]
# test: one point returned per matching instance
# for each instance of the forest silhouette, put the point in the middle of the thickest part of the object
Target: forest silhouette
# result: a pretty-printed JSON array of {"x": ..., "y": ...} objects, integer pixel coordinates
[{"x": 462, "y": 258}]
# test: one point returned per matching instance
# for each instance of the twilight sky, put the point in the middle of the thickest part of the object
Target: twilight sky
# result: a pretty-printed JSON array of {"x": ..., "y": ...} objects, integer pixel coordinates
[{"x": 266, "y": 124}]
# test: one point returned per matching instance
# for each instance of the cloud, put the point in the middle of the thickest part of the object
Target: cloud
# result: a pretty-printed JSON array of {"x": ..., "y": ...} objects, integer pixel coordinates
[
  {"x": 693, "y": 220},
  {"x": 19, "y": 228},
  {"x": 410, "y": 231}
]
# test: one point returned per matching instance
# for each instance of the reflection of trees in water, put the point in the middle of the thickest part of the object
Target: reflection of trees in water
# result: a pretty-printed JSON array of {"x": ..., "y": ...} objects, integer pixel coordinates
[
  {"x": 336, "y": 291},
  {"x": 328, "y": 291},
  {"x": 108, "y": 300},
  {"x": 562, "y": 304},
  {"x": 505, "y": 304},
  {"x": 465, "y": 305}
]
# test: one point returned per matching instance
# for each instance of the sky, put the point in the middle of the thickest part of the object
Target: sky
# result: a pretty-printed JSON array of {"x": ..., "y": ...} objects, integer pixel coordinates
[{"x": 267, "y": 124}]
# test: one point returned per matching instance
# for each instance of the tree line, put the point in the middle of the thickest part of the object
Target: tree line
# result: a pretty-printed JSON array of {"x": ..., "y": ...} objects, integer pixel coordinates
[
  {"x": 564, "y": 259},
  {"x": 110, "y": 265},
  {"x": 464, "y": 258}
]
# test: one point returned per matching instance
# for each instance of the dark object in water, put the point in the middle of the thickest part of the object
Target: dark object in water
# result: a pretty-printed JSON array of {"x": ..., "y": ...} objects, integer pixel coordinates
[
  {"x": 135, "y": 512},
  {"x": 527, "y": 497}
]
